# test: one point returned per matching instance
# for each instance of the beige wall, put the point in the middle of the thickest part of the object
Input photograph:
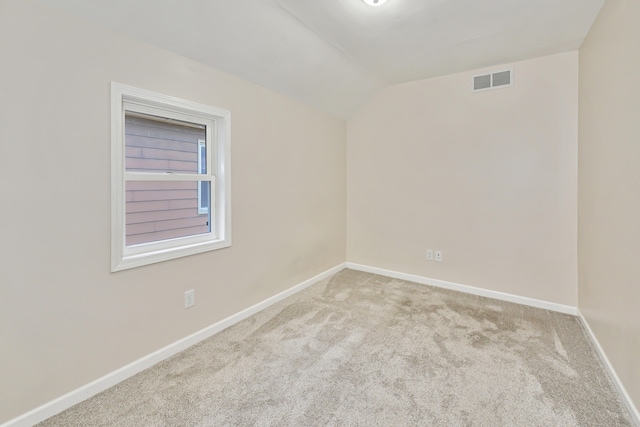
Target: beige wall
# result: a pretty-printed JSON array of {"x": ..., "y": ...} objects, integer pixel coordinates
[
  {"x": 488, "y": 178},
  {"x": 609, "y": 187},
  {"x": 65, "y": 320}
]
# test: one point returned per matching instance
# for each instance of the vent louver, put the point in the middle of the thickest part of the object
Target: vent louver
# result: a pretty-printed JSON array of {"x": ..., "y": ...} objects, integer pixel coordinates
[
  {"x": 482, "y": 82},
  {"x": 495, "y": 80}
]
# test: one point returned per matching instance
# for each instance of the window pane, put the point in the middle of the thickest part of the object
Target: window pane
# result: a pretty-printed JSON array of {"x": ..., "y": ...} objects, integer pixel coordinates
[
  {"x": 156, "y": 145},
  {"x": 161, "y": 210},
  {"x": 202, "y": 157},
  {"x": 204, "y": 194}
]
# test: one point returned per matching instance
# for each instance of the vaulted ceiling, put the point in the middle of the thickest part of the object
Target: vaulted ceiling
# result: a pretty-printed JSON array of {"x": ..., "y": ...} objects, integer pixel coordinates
[{"x": 334, "y": 54}]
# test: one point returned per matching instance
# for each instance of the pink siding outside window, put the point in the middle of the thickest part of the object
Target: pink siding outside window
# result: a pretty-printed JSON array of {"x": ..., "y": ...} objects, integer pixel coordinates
[{"x": 160, "y": 210}]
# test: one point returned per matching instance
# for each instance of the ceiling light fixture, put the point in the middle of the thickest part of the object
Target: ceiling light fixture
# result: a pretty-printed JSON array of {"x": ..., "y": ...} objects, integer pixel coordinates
[{"x": 375, "y": 2}]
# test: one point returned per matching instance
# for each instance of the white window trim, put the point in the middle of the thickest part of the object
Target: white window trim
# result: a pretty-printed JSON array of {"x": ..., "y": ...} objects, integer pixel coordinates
[{"x": 218, "y": 172}]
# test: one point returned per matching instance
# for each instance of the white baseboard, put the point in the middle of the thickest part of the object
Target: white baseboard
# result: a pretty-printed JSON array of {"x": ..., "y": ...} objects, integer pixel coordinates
[
  {"x": 76, "y": 396},
  {"x": 567, "y": 309},
  {"x": 605, "y": 360}
]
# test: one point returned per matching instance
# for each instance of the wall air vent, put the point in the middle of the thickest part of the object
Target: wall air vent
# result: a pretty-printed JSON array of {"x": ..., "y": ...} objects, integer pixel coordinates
[{"x": 496, "y": 80}]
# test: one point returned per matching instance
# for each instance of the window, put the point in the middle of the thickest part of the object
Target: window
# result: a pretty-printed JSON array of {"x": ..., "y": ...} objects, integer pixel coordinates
[{"x": 170, "y": 190}]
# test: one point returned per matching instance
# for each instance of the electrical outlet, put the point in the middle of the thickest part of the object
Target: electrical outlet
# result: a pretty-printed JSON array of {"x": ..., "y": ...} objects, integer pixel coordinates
[
  {"x": 189, "y": 298},
  {"x": 439, "y": 256},
  {"x": 430, "y": 254}
]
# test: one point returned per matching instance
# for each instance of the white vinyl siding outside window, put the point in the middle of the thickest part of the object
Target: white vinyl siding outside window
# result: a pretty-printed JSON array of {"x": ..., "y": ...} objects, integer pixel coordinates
[{"x": 170, "y": 194}]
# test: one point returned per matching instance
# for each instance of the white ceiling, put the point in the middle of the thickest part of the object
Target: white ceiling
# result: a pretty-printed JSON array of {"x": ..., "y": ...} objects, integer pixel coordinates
[{"x": 334, "y": 54}]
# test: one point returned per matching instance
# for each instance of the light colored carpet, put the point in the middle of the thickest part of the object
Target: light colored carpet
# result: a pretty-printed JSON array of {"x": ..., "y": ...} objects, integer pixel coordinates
[{"x": 360, "y": 349}]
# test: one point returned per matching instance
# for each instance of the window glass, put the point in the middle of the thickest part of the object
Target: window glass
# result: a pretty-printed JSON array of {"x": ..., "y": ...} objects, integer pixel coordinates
[
  {"x": 203, "y": 186},
  {"x": 155, "y": 145},
  {"x": 159, "y": 210}
]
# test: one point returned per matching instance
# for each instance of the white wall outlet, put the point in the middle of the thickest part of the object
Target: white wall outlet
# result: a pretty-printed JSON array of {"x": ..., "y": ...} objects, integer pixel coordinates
[
  {"x": 430, "y": 254},
  {"x": 439, "y": 256},
  {"x": 189, "y": 298}
]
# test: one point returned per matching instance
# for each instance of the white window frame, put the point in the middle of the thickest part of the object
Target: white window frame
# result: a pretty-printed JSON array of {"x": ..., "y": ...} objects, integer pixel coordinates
[
  {"x": 202, "y": 210},
  {"x": 218, "y": 141}
]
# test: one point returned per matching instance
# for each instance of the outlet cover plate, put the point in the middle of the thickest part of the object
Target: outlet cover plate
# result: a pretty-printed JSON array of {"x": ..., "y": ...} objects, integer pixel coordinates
[{"x": 189, "y": 298}]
